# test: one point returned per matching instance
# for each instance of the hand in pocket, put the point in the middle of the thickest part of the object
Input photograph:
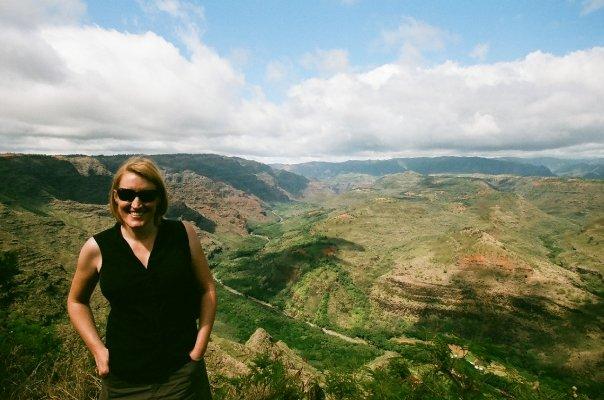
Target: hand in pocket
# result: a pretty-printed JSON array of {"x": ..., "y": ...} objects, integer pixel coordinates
[
  {"x": 194, "y": 356},
  {"x": 102, "y": 362}
]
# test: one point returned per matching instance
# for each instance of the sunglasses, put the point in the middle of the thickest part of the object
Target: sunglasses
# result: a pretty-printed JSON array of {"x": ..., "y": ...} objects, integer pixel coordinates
[{"x": 145, "y": 196}]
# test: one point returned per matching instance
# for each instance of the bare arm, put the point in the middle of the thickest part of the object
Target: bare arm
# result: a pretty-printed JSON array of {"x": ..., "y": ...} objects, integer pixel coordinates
[
  {"x": 78, "y": 303},
  {"x": 207, "y": 305}
]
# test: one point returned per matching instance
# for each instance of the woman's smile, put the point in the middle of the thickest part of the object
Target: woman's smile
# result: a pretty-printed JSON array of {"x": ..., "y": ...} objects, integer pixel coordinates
[{"x": 136, "y": 214}]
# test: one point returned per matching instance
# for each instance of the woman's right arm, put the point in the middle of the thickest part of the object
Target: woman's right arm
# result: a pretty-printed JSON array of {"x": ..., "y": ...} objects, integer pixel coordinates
[{"x": 78, "y": 303}]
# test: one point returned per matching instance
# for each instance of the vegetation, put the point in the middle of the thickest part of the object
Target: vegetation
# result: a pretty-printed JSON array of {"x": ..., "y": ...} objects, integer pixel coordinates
[
  {"x": 492, "y": 275},
  {"x": 238, "y": 318},
  {"x": 402, "y": 286},
  {"x": 444, "y": 377},
  {"x": 268, "y": 380}
]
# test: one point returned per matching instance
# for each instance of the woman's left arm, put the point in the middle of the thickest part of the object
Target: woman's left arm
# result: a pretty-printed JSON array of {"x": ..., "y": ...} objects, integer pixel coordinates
[{"x": 207, "y": 305}]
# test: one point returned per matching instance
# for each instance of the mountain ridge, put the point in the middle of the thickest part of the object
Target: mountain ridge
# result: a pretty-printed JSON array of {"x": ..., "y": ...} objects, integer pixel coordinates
[{"x": 589, "y": 169}]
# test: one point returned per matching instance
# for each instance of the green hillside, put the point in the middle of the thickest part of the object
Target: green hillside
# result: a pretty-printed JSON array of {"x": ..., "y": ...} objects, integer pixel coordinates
[
  {"x": 510, "y": 266},
  {"x": 401, "y": 286}
]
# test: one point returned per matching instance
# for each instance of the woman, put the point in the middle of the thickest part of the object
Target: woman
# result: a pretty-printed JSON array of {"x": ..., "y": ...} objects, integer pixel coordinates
[{"x": 156, "y": 278}]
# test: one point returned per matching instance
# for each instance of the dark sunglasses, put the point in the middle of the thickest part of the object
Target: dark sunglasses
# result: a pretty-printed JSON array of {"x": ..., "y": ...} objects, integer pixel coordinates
[{"x": 146, "y": 196}]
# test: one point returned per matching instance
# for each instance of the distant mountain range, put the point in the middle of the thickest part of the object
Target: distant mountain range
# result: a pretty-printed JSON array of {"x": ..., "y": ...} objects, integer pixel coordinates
[
  {"x": 589, "y": 169},
  {"x": 35, "y": 179},
  {"x": 581, "y": 168}
]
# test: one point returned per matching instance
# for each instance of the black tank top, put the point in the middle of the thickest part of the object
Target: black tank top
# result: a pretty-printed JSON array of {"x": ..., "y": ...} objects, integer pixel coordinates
[{"x": 151, "y": 326}]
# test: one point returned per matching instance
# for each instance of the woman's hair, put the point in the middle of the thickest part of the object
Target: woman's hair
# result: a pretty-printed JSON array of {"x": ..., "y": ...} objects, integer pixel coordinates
[{"x": 147, "y": 169}]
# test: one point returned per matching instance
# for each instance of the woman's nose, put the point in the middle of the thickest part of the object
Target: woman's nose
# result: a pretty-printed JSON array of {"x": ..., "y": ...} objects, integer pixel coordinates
[{"x": 136, "y": 202}]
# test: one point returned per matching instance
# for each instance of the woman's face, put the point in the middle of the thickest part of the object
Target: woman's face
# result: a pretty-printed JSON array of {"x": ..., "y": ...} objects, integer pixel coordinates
[{"x": 137, "y": 213}]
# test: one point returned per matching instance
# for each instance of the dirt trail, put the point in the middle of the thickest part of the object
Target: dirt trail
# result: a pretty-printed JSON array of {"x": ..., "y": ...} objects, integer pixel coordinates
[
  {"x": 349, "y": 339},
  {"x": 262, "y": 237},
  {"x": 278, "y": 216},
  {"x": 266, "y": 237},
  {"x": 326, "y": 331}
]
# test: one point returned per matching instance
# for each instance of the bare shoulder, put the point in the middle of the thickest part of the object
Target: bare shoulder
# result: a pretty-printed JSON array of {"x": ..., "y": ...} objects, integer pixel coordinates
[
  {"x": 86, "y": 274},
  {"x": 190, "y": 229},
  {"x": 193, "y": 238},
  {"x": 90, "y": 256},
  {"x": 198, "y": 258}
]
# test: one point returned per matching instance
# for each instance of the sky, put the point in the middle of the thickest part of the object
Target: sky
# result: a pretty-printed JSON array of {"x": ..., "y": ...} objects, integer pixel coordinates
[{"x": 296, "y": 81}]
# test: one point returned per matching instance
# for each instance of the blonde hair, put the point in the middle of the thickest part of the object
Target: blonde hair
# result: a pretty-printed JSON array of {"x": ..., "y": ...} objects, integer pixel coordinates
[{"x": 147, "y": 169}]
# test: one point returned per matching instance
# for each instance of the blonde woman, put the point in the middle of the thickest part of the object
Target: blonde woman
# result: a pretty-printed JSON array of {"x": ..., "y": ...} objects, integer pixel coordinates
[{"x": 156, "y": 278}]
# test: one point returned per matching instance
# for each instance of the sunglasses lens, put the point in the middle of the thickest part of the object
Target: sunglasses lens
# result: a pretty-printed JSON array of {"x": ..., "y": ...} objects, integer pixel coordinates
[
  {"x": 126, "y": 194},
  {"x": 146, "y": 196}
]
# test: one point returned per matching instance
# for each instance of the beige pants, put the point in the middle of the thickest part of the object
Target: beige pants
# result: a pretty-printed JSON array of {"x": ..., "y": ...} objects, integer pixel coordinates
[{"x": 190, "y": 382}]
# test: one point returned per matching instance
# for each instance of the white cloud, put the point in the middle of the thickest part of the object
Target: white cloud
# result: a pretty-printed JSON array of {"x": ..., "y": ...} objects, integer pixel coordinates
[
  {"x": 182, "y": 10},
  {"x": 480, "y": 51},
  {"x": 276, "y": 71},
  {"x": 417, "y": 33},
  {"x": 32, "y": 13},
  {"x": 326, "y": 61},
  {"x": 71, "y": 88},
  {"x": 412, "y": 38},
  {"x": 123, "y": 86},
  {"x": 24, "y": 54},
  {"x": 539, "y": 103},
  {"x": 590, "y": 6},
  {"x": 188, "y": 18}
]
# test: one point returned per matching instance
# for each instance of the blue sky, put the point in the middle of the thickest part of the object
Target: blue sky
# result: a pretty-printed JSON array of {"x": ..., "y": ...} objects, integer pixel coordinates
[
  {"x": 303, "y": 80},
  {"x": 269, "y": 30}
]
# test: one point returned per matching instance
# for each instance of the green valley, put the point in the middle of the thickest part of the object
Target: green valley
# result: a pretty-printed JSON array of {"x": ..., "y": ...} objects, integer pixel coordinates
[{"x": 359, "y": 286}]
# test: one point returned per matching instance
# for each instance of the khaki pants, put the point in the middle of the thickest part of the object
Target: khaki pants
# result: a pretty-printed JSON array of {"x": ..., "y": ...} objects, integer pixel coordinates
[{"x": 190, "y": 382}]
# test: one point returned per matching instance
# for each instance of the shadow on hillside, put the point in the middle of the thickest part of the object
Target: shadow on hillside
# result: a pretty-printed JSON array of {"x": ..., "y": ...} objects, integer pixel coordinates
[
  {"x": 8, "y": 270},
  {"x": 34, "y": 180},
  {"x": 179, "y": 210},
  {"x": 239, "y": 173},
  {"x": 530, "y": 332},
  {"x": 264, "y": 275}
]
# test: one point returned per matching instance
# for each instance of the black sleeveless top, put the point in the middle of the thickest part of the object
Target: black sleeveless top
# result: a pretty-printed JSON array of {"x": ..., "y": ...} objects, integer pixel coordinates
[{"x": 151, "y": 327}]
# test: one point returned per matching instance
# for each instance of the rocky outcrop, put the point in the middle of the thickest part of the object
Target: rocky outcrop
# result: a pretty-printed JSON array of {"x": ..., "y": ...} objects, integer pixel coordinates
[
  {"x": 262, "y": 343},
  {"x": 229, "y": 358}
]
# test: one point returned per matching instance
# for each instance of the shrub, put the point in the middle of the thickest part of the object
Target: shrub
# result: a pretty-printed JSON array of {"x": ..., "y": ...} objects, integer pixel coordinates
[{"x": 268, "y": 380}]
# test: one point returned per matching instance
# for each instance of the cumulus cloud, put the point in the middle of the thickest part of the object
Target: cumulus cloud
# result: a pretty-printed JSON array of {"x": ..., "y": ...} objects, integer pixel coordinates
[
  {"x": 590, "y": 6},
  {"x": 480, "y": 51},
  {"x": 188, "y": 18},
  {"x": 182, "y": 10},
  {"x": 66, "y": 88},
  {"x": 118, "y": 87},
  {"x": 277, "y": 71},
  {"x": 24, "y": 54},
  {"x": 27, "y": 14},
  {"x": 413, "y": 37},
  {"x": 326, "y": 61},
  {"x": 537, "y": 103}
]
